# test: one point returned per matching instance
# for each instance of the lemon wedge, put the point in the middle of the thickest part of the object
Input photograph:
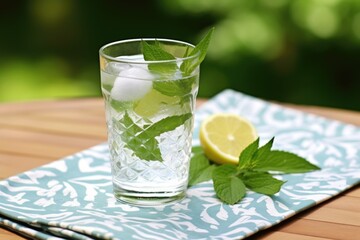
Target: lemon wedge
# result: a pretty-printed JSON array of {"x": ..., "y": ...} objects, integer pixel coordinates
[{"x": 224, "y": 136}]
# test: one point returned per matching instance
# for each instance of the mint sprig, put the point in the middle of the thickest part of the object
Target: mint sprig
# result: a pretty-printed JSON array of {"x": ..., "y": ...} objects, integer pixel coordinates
[
  {"x": 255, "y": 171},
  {"x": 171, "y": 85}
]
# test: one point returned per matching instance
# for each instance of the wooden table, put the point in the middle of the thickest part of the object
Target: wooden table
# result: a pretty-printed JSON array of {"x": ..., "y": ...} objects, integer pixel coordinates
[{"x": 36, "y": 133}]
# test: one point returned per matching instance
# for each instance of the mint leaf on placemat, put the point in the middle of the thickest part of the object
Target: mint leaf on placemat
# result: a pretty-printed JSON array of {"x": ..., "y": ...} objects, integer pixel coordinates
[
  {"x": 200, "y": 168},
  {"x": 284, "y": 162},
  {"x": 245, "y": 159},
  {"x": 262, "y": 183},
  {"x": 228, "y": 186}
]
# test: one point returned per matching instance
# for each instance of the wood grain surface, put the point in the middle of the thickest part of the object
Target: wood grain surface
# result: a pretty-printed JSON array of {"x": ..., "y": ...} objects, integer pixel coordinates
[{"x": 36, "y": 133}]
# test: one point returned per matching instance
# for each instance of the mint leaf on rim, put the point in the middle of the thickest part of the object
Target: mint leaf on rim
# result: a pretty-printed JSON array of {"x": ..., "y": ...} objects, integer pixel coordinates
[
  {"x": 170, "y": 85},
  {"x": 154, "y": 52},
  {"x": 201, "y": 48}
]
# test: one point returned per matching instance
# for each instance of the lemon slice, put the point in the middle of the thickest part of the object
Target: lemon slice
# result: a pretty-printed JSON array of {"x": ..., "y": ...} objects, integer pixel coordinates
[
  {"x": 224, "y": 136},
  {"x": 153, "y": 102}
]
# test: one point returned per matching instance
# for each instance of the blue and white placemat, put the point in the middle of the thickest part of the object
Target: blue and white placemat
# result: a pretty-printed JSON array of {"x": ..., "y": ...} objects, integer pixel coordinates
[{"x": 72, "y": 197}]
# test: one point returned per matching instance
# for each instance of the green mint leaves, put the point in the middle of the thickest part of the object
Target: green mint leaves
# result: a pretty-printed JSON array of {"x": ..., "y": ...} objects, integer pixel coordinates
[
  {"x": 200, "y": 168},
  {"x": 201, "y": 49},
  {"x": 228, "y": 186},
  {"x": 142, "y": 141},
  {"x": 154, "y": 52},
  {"x": 254, "y": 171},
  {"x": 173, "y": 81},
  {"x": 171, "y": 85}
]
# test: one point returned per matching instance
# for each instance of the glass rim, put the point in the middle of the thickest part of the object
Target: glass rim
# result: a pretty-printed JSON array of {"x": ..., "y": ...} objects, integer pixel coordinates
[{"x": 115, "y": 59}]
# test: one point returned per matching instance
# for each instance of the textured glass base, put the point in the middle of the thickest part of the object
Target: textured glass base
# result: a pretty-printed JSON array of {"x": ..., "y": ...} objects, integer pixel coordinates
[{"x": 148, "y": 198}]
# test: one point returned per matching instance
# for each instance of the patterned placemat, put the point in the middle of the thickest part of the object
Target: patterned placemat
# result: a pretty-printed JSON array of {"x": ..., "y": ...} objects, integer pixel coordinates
[{"x": 72, "y": 197}]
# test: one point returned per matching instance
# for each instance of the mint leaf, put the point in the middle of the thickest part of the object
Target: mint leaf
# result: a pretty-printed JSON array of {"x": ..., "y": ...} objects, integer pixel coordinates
[
  {"x": 186, "y": 54},
  {"x": 228, "y": 186},
  {"x": 284, "y": 162},
  {"x": 154, "y": 52},
  {"x": 164, "y": 125},
  {"x": 200, "y": 169},
  {"x": 145, "y": 149},
  {"x": 175, "y": 87},
  {"x": 142, "y": 141},
  {"x": 201, "y": 48},
  {"x": 246, "y": 156},
  {"x": 262, "y": 183},
  {"x": 264, "y": 150},
  {"x": 196, "y": 150},
  {"x": 172, "y": 87},
  {"x": 128, "y": 127}
]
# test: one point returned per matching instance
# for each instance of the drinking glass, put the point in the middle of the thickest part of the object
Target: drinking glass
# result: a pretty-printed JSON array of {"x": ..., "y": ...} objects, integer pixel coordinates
[{"x": 149, "y": 108}]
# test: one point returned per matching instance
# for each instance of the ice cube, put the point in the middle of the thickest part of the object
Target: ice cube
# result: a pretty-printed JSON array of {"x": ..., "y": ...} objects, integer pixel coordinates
[
  {"x": 137, "y": 58},
  {"x": 115, "y": 68},
  {"x": 132, "y": 84}
]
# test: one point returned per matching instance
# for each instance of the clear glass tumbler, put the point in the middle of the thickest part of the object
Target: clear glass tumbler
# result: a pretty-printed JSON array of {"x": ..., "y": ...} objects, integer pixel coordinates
[{"x": 149, "y": 109}]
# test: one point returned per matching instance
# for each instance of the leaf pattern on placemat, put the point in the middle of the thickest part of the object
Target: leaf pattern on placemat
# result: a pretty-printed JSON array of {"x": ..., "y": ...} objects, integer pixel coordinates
[{"x": 72, "y": 197}]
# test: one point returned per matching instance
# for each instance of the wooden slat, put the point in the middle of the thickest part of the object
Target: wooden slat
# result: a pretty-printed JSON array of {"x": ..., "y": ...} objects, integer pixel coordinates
[
  {"x": 51, "y": 105},
  {"x": 61, "y": 127},
  {"x": 354, "y": 193},
  {"x": 287, "y": 236},
  {"x": 35, "y": 149},
  {"x": 345, "y": 203},
  {"x": 4, "y": 234},
  {"x": 72, "y": 116},
  {"x": 321, "y": 229},
  {"x": 333, "y": 215},
  {"x": 27, "y": 135}
]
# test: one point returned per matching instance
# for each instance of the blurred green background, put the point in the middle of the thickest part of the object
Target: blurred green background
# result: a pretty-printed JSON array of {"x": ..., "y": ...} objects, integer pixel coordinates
[{"x": 298, "y": 51}]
